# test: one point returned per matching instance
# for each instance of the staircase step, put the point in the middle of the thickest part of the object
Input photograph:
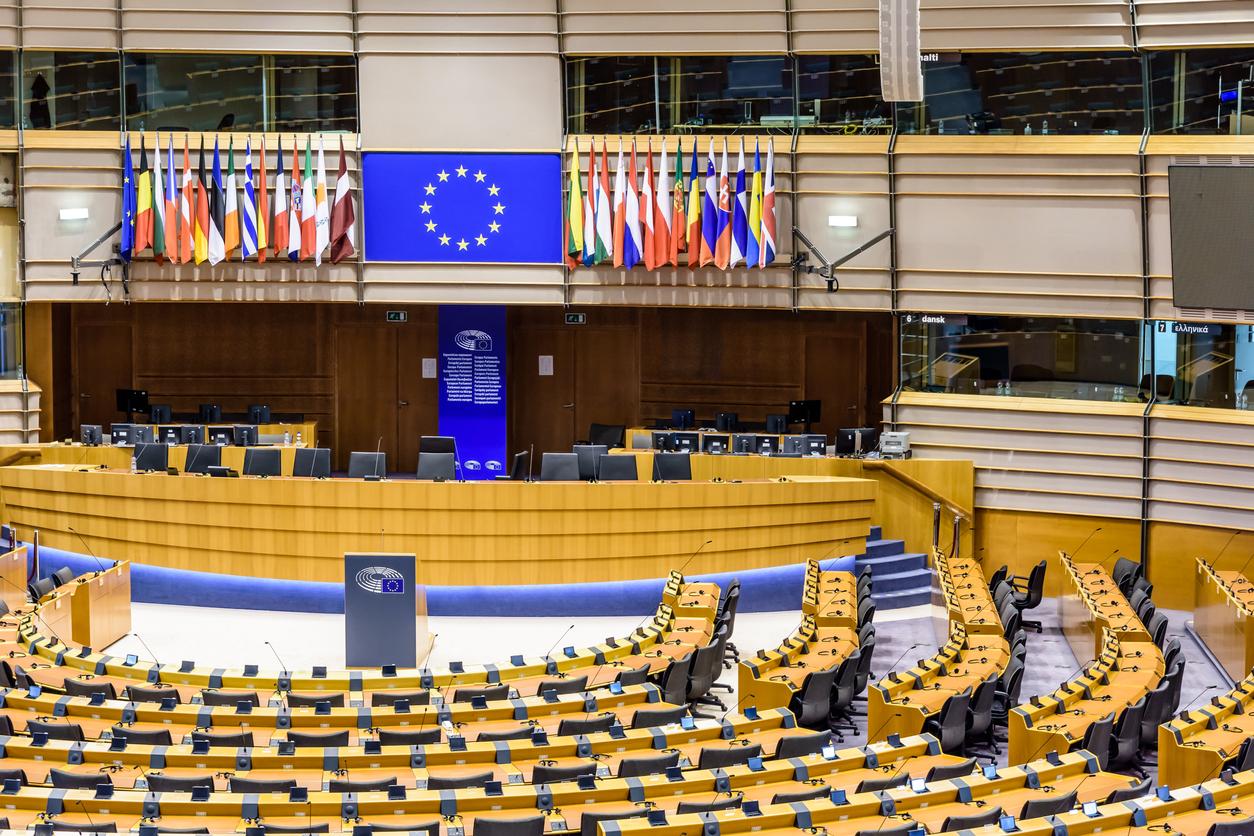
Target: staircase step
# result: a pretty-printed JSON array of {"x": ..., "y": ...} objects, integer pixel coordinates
[
  {"x": 876, "y": 533},
  {"x": 902, "y": 598},
  {"x": 882, "y": 548},
  {"x": 891, "y": 564},
  {"x": 896, "y": 581}
]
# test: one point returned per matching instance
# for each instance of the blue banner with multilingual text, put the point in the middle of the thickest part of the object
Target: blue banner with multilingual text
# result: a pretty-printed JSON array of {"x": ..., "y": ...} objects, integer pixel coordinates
[{"x": 472, "y": 387}]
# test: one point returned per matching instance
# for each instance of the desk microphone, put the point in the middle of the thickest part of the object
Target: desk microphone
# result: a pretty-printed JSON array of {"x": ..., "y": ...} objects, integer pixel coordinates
[
  {"x": 694, "y": 554},
  {"x": 1197, "y": 697},
  {"x": 1234, "y": 536},
  {"x": 189, "y": 467},
  {"x": 151, "y": 654},
  {"x": 548, "y": 655},
  {"x": 428, "y": 706},
  {"x": 1086, "y": 540},
  {"x": 1247, "y": 563},
  {"x": 89, "y": 551},
  {"x": 531, "y": 458},
  {"x": 378, "y": 447},
  {"x": 283, "y": 671},
  {"x": 80, "y": 803},
  {"x": 1102, "y": 565}
]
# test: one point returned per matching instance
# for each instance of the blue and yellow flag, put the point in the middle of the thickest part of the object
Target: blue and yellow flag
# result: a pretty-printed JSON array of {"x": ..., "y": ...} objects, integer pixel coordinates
[{"x": 128, "y": 202}]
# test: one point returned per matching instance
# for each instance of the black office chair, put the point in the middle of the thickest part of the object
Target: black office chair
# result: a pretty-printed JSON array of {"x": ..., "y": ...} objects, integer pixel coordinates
[
  {"x": 1143, "y": 585},
  {"x": 672, "y": 467},
  {"x": 491, "y": 693},
  {"x": 312, "y": 463},
  {"x": 569, "y": 685},
  {"x": 589, "y": 456},
  {"x": 725, "y": 756},
  {"x": 866, "y": 612},
  {"x": 1035, "y": 808},
  {"x": 1157, "y": 712},
  {"x": 1006, "y": 697},
  {"x": 621, "y": 468},
  {"x": 888, "y": 782},
  {"x": 559, "y": 467},
  {"x": 263, "y": 461},
  {"x": 639, "y": 676},
  {"x": 675, "y": 681},
  {"x": 381, "y": 785},
  {"x": 520, "y": 733},
  {"x": 85, "y": 688},
  {"x": 1128, "y": 793},
  {"x": 800, "y": 745},
  {"x": 1238, "y": 827},
  {"x": 310, "y": 699},
  {"x": 862, "y": 677},
  {"x": 608, "y": 435},
  {"x": 62, "y": 576},
  {"x": 57, "y": 731},
  {"x": 1171, "y": 652},
  {"x": 652, "y": 718},
  {"x": 361, "y": 465},
  {"x": 812, "y": 701},
  {"x": 201, "y": 457},
  {"x": 805, "y": 795},
  {"x": 707, "y": 664},
  {"x": 422, "y": 697},
  {"x": 1125, "y": 574},
  {"x": 457, "y": 782},
  {"x": 62, "y": 780},
  {"x": 840, "y": 716},
  {"x": 556, "y": 774},
  {"x": 570, "y": 726},
  {"x": 1027, "y": 593},
  {"x": 1157, "y": 628},
  {"x": 589, "y": 818},
  {"x": 1125, "y": 745},
  {"x": 231, "y": 740},
  {"x": 998, "y": 576},
  {"x": 904, "y": 829},
  {"x": 980, "y": 712},
  {"x": 950, "y": 725},
  {"x": 953, "y": 824},
  {"x": 1175, "y": 679},
  {"x": 1097, "y": 739},
  {"x": 416, "y": 737},
  {"x": 1146, "y": 611},
  {"x": 638, "y": 767},
  {"x": 255, "y": 785},
  {"x": 318, "y": 740},
  {"x": 709, "y": 806},
  {"x": 437, "y": 466},
  {"x": 229, "y": 699},
  {"x": 155, "y": 737},
  {"x": 1245, "y": 756},
  {"x": 944, "y": 772},
  {"x": 167, "y": 783},
  {"x": 152, "y": 457}
]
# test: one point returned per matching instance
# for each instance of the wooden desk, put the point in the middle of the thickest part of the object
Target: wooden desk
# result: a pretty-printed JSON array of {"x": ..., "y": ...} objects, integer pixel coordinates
[
  {"x": 96, "y": 607},
  {"x": 1190, "y": 751},
  {"x": 1223, "y": 602},
  {"x": 1089, "y": 604},
  {"x": 119, "y": 458},
  {"x": 469, "y": 533},
  {"x": 13, "y": 573}
]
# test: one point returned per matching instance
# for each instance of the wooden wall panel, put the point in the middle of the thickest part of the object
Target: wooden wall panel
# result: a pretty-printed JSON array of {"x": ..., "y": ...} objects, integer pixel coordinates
[
  {"x": 269, "y": 26},
  {"x": 688, "y": 27},
  {"x": 1193, "y": 23}
]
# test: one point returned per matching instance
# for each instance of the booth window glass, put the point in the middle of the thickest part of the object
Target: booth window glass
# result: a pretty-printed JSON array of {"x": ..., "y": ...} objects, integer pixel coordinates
[
  {"x": 1030, "y": 357},
  {"x": 841, "y": 94},
  {"x": 1202, "y": 364},
  {"x": 1028, "y": 93},
  {"x": 71, "y": 91},
  {"x": 1201, "y": 91},
  {"x": 10, "y": 340},
  {"x": 615, "y": 95}
]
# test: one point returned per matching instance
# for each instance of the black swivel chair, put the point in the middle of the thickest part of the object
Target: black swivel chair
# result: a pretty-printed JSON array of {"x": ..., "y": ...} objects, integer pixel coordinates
[
  {"x": 361, "y": 465},
  {"x": 946, "y": 771},
  {"x": 312, "y": 463},
  {"x": 437, "y": 466},
  {"x": 152, "y": 457},
  {"x": 263, "y": 461},
  {"x": 1236, "y": 827},
  {"x": 1157, "y": 628},
  {"x": 201, "y": 457},
  {"x": 840, "y": 715},
  {"x": 608, "y": 435},
  {"x": 621, "y": 468},
  {"x": 589, "y": 456},
  {"x": 1097, "y": 739},
  {"x": 529, "y": 826},
  {"x": 1128, "y": 793},
  {"x": 1006, "y": 697},
  {"x": 950, "y": 725},
  {"x": 675, "y": 681},
  {"x": 1027, "y": 594},
  {"x": 65, "y": 574},
  {"x": 980, "y": 712},
  {"x": 1036, "y": 808},
  {"x": 812, "y": 701},
  {"x": 1125, "y": 574},
  {"x": 1125, "y": 745},
  {"x": 998, "y": 576},
  {"x": 559, "y": 467},
  {"x": 672, "y": 467},
  {"x": 953, "y": 824}
]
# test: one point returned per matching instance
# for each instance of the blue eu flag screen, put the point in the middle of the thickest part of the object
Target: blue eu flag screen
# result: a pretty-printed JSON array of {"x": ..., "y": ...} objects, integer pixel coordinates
[
  {"x": 470, "y": 208},
  {"x": 394, "y": 585}
]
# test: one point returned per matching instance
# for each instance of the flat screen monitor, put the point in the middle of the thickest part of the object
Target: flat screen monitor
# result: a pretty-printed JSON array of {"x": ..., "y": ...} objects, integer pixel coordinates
[
  {"x": 715, "y": 443},
  {"x": 726, "y": 422},
  {"x": 210, "y": 413},
  {"x": 221, "y": 436},
  {"x": 768, "y": 445},
  {"x": 152, "y": 457},
  {"x": 518, "y": 469},
  {"x": 120, "y": 433},
  {"x": 91, "y": 434},
  {"x": 855, "y": 441},
  {"x": 815, "y": 445},
  {"x": 804, "y": 412},
  {"x": 777, "y": 424},
  {"x": 159, "y": 413},
  {"x": 437, "y": 444},
  {"x": 142, "y": 434},
  {"x": 245, "y": 435},
  {"x": 686, "y": 442},
  {"x": 742, "y": 443},
  {"x": 191, "y": 434},
  {"x": 258, "y": 414},
  {"x": 132, "y": 400},
  {"x": 683, "y": 419},
  {"x": 170, "y": 434},
  {"x": 1212, "y": 261},
  {"x": 661, "y": 440},
  {"x": 793, "y": 445}
]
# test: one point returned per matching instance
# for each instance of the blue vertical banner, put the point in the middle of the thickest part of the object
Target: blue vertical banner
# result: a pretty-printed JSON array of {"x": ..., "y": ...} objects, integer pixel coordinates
[{"x": 472, "y": 386}]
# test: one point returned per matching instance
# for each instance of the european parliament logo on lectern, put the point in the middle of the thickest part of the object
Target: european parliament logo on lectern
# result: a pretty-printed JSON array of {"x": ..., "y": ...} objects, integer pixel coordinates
[{"x": 381, "y": 610}]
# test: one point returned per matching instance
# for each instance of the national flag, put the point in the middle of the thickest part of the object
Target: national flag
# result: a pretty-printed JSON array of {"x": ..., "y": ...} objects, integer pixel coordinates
[
  {"x": 170, "y": 226},
  {"x": 767, "y": 254},
  {"x": 662, "y": 212},
  {"x": 604, "y": 217},
  {"x": 217, "y": 210},
  {"x": 308, "y": 206},
  {"x": 248, "y": 217},
  {"x": 648, "y": 244},
  {"x": 201, "y": 234},
  {"x": 294, "y": 212},
  {"x": 322, "y": 209},
  {"x": 632, "y": 245},
  {"x": 693, "y": 215},
  {"x": 263, "y": 207},
  {"x": 620, "y": 210},
  {"x": 158, "y": 206},
  {"x": 127, "y": 245},
  {"x": 280, "y": 206},
  {"x": 755, "y": 211},
  {"x": 143, "y": 201},
  {"x": 722, "y": 247},
  {"x": 740, "y": 212},
  {"x": 574, "y": 211},
  {"x": 590, "y": 211},
  {"x": 709, "y": 210},
  {"x": 679, "y": 223},
  {"x": 230, "y": 222},
  {"x": 187, "y": 202},
  {"x": 343, "y": 216}
]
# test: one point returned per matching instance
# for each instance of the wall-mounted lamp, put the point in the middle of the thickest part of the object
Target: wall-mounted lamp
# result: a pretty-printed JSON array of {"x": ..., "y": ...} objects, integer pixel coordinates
[
  {"x": 842, "y": 220},
  {"x": 74, "y": 214}
]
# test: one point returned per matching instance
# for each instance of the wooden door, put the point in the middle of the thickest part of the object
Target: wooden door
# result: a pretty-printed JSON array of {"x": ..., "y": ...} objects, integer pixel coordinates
[
  {"x": 366, "y": 394},
  {"x": 835, "y": 373},
  {"x": 103, "y": 364},
  {"x": 418, "y": 398},
  {"x": 542, "y": 407},
  {"x": 607, "y": 371}
]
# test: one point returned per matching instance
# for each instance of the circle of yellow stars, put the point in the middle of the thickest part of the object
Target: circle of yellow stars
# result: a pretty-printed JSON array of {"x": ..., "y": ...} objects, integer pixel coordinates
[{"x": 493, "y": 191}]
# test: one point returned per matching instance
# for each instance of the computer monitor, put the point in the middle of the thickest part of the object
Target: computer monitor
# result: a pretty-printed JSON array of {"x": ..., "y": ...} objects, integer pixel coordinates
[
  {"x": 742, "y": 443},
  {"x": 767, "y": 445},
  {"x": 661, "y": 440},
  {"x": 132, "y": 400},
  {"x": 793, "y": 445},
  {"x": 855, "y": 441},
  {"x": 191, "y": 434},
  {"x": 685, "y": 442},
  {"x": 159, "y": 413},
  {"x": 152, "y": 457},
  {"x": 777, "y": 424},
  {"x": 221, "y": 436},
  {"x": 804, "y": 412},
  {"x": 91, "y": 434},
  {"x": 245, "y": 435},
  {"x": 518, "y": 469},
  {"x": 170, "y": 434},
  {"x": 210, "y": 413},
  {"x": 815, "y": 445},
  {"x": 142, "y": 434},
  {"x": 258, "y": 414},
  {"x": 120, "y": 433},
  {"x": 221, "y": 471},
  {"x": 726, "y": 422},
  {"x": 715, "y": 443},
  {"x": 683, "y": 419}
]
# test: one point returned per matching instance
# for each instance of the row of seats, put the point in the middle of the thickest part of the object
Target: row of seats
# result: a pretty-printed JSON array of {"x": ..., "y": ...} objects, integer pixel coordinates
[{"x": 258, "y": 461}]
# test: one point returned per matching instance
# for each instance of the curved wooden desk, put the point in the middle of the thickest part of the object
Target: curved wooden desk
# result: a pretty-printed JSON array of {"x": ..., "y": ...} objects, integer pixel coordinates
[
  {"x": 468, "y": 533},
  {"x": 1221, "y": 617}
]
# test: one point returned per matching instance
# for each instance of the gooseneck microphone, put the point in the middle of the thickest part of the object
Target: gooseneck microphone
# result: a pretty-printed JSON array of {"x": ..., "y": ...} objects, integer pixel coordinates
[{"x": 89, "y": 551}]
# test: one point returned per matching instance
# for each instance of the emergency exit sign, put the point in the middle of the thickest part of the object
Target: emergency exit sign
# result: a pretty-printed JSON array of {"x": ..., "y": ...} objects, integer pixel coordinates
[
  {"x": 397, "y": 316},
  {"x": 576, "y": 318}
]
